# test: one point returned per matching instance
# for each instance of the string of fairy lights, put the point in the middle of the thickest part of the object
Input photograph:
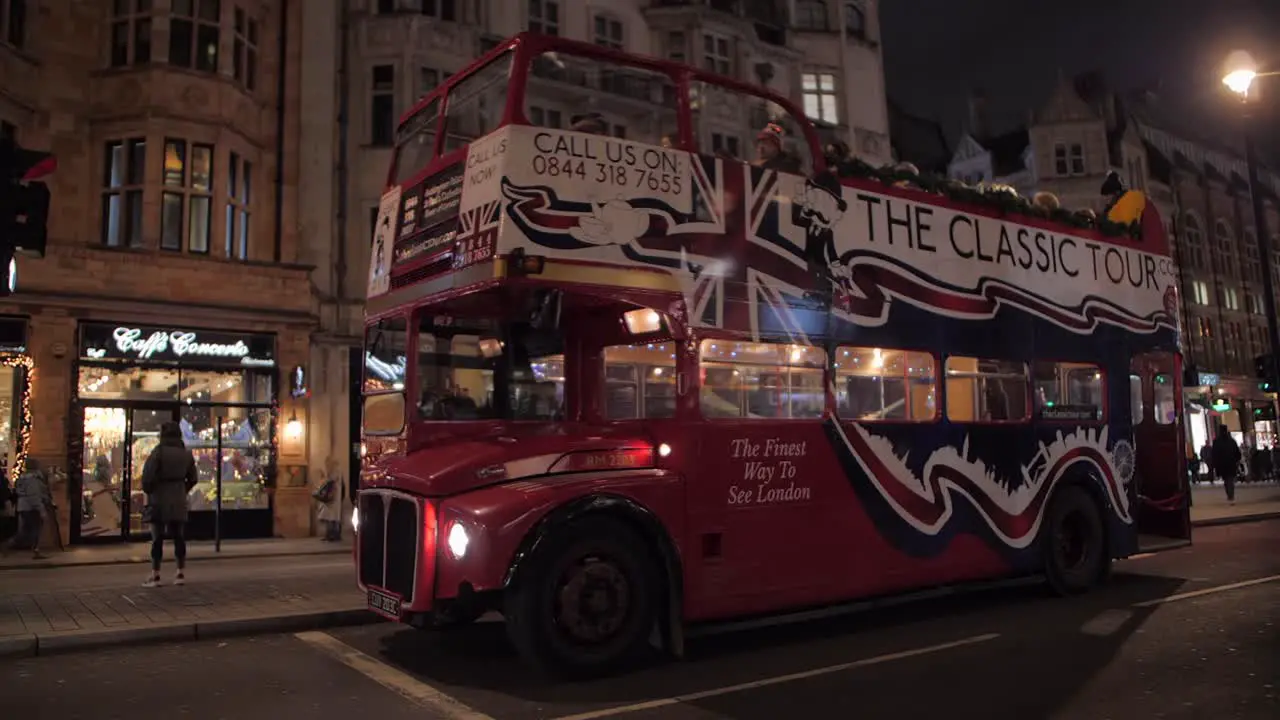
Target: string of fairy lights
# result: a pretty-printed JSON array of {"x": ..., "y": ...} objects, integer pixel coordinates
[{"x": 24, "y": 427}]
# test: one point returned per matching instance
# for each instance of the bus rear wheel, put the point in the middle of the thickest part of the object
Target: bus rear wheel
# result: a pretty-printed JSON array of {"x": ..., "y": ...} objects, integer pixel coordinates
[
  {"x": 1074, "y": 542},
  {"x": 587, "y": 604}
]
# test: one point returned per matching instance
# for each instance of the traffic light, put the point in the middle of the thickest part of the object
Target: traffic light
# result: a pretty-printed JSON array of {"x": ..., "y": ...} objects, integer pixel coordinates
[
  {"x": 1264, "y": 368},
  {"x": 24, "y": 204},
  {"x": 1264, "y": 412}
]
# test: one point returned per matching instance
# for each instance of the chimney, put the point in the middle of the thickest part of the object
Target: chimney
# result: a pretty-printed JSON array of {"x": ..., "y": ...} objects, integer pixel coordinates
[{"x": 978, "y": 125}]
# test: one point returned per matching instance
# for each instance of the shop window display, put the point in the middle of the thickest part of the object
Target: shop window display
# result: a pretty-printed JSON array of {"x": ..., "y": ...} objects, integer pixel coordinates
[{"x": 226, "y": 421}]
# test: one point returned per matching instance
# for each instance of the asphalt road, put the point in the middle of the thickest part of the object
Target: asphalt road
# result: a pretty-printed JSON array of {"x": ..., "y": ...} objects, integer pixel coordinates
[{"x": 1193, "y": 633}]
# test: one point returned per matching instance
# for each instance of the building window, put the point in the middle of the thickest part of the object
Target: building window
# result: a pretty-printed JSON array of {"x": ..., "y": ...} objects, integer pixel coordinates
[
  {"x": 1194, "y": 241},
  {"x": 715, "y": 54},
  {"x": 1204, "y": 328},
  {"x": 188, "y": 186},
  {"x": 245, "y": 53},
  {"x": 239, "y": 205},
  {"x": 986, "y": 391},
  {"x": 819, "y": 91},
  {"x": 875, "y": 384},
  {"x": 760, "y": 381},
  {"x": 1230, "y": 300},
  {"x": 13, "y": 21},
  {"x": 544, "y": 17},
  {"x": 640, "y": 381},
  {"x": 441, "y": 9},
  {"x": 855, "y": 21},
  {"x": 123, "y": 171},
  {"x": 1222, "y": 238},
  {"x": 131, "y": 33},
  {"x": 725, "y": 145},
  {"x": 1060, "y": 159},
  {"x": 811, "y": 15},
  {"x": 193, "y": 34},
  {"x": 1070, "y": 392},
  {"x": 1077, "y": 159},
  {"x": 1200, "y": 290},
  {"x": 676, "y": 47},
  {"x": 546, "y": 118},
  {"x": 382, "y": 118},
  {"x": 428, "y": 80},
  {"x": 608, "y": 32}
]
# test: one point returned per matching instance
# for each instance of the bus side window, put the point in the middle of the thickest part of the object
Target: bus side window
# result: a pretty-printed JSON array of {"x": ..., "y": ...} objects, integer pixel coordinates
[
  {"x": 721, "y": 113},
  {"x": 878, "y": 384},
  {"x": 640, "y": 381},
  {"x": 474, "y": 107},
  {"x": 1069, "y": 391},
  {"x": 1135, "y": 398},
  {"x": 984, "y": 390},
  {"x": 761, "y": 380},
  {"x": 601, "y": 97},
  {"x": 1165, "y": 408}
]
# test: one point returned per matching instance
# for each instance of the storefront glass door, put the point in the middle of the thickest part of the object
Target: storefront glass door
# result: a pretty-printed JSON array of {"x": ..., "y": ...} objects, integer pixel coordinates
[{"x": 117, "y": 441}]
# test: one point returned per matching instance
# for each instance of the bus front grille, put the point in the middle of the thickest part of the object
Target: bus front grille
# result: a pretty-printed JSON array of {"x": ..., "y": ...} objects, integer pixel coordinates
[{"x": 389, "y": 539}]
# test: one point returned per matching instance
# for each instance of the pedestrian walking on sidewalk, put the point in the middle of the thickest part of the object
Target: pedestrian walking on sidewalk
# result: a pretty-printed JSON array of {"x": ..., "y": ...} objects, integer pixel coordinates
[
  {"x": 1226, "y": 461},
  {"x": 33, "y": 500},
  {"x": 329, "y": 496},
  {"x": 167, "y": 479}
]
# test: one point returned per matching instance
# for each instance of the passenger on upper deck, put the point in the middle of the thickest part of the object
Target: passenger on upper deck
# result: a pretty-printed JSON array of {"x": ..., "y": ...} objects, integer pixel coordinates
[
  {"x": 769, "y": 152},
  {"x": 592, "y": 122}
]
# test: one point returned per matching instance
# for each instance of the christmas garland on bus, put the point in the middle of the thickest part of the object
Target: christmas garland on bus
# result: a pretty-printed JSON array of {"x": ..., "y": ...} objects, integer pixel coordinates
[{"x": 1002, "y": 198}]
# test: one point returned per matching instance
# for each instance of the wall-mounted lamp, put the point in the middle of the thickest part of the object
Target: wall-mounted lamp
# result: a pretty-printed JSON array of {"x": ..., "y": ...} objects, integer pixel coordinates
[{"x": 293, "y": 428}]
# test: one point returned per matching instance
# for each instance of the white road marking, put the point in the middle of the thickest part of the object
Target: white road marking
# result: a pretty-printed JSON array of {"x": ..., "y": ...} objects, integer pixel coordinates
[
  {"x": 667, "y": 702},
  {"x": 405, "y": 685},
  {"x": 1141, "y": 556},
  {"x": 1106, "y": 622},
  {"x": 1206, "y": 591}
]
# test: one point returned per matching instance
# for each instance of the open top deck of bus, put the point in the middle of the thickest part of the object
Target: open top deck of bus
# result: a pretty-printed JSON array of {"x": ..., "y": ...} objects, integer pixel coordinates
[{"x": 487, "y": 193}]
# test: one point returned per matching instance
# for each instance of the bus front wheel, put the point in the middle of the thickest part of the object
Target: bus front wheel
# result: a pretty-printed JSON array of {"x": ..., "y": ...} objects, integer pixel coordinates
[
  {"x": 587, "y": 604},
  {"x": 1076, "y": 556}
]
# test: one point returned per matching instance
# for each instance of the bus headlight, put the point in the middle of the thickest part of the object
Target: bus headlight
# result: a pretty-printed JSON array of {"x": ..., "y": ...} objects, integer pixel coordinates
[
  {"x": 458, "y": 540},
  {"x": 355, "y": 519}
]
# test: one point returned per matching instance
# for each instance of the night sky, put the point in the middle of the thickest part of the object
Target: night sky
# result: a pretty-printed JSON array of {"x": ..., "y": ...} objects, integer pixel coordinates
[{"x": 936, "y": 51}]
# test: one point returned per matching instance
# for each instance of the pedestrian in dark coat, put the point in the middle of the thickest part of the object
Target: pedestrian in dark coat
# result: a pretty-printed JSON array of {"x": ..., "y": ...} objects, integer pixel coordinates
[
  {"x": 1226, "y": 461},
  {"x": 34, "y": 501},
  {"x": 167, "y": 478}
]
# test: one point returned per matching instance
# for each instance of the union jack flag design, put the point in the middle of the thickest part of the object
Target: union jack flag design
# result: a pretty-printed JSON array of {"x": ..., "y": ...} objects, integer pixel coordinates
[
  {"x": 477, "y": 233},
  {"x": 732, "y": 276}
]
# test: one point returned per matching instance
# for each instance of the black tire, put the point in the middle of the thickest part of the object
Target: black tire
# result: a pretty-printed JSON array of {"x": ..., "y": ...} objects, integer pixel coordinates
[
  {"x": 1074, "y": 542},
  {"x": 610, "y": 566}
]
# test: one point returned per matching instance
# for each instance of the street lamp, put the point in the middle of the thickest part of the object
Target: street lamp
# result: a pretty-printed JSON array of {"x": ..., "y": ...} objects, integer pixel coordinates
[{"x": 1240, "y": 74}]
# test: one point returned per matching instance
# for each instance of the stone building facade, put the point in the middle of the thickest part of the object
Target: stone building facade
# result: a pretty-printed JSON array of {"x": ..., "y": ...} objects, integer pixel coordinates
[
  {"x": 1198, "y": 180},
  {"x": 175, "y": 284}
]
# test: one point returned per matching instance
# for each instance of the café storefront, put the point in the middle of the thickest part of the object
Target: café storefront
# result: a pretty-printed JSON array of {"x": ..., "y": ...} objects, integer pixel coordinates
[{"x": 219, "y": 386}]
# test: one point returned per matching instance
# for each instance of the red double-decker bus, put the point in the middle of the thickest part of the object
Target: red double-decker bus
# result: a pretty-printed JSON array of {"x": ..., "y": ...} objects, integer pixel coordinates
[{"x": 619, "y": 380}]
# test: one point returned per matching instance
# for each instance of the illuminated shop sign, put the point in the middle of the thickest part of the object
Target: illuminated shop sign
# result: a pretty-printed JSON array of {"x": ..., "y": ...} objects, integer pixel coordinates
[
  {"x": 188, "y": 346},
  {"x": 1210, "y": 379}
]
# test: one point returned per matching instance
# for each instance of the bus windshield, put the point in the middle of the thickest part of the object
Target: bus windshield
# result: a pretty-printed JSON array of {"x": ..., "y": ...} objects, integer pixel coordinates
[{"x": 466, "y": 369}]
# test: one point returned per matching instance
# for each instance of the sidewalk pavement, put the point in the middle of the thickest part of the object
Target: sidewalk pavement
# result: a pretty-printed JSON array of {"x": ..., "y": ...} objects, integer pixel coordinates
[
  {"x": 139, "y": 552},
  {"x": 85, "y": 606},
  {"x": 1254, "y": 501}
]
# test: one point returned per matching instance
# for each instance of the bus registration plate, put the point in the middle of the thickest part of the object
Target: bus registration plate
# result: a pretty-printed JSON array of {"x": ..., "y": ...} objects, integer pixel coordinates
[{"x": 384, "y": 604}]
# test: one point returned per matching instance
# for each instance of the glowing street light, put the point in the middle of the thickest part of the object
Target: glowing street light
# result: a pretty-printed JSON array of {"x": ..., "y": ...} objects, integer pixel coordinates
[
  {"x": 1241, "y": 70},
  {"x": 1238, "y": 81}
]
